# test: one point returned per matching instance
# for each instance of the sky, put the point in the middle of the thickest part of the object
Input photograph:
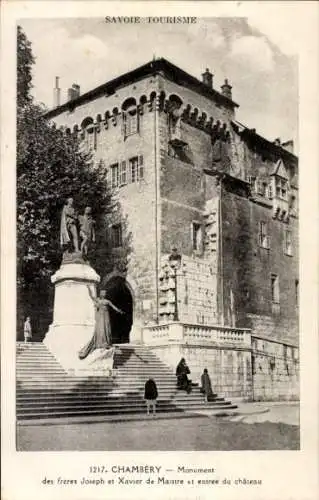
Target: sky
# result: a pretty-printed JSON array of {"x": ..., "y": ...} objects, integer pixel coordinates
[{"x": 258, "y": 57}]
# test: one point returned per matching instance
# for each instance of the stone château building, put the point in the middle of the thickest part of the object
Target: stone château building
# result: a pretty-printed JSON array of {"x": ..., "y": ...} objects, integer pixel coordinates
[{"x": 191, "y": 177}]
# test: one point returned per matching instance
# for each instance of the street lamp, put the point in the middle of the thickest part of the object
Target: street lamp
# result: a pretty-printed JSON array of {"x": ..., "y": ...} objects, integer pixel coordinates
[{"x": 175, "y": 260}]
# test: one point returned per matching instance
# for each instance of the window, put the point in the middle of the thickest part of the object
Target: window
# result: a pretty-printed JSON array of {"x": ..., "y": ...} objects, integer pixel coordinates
[
  {"x": 261, "y": 188},
  {"x": 114, "y": 175},
  {"x": 116, "y": 235},
  {"x": 263, "y": 237},
  {"x": 281, "y": 188},
  {"x": 136, "y": 166},
  {"x": 275, "y": 289},
  {"x": 123, "y": 174},
  {"x": 197, "y": 237},
  {"x": 287, "y": 242},
  {"x": 134, "y": 169},
  {"x": 293, "y": 208},
  {"x": 270, "y": 193},
  {"x": 251, "y": 180},
  {"x": 130, "y": 122}
]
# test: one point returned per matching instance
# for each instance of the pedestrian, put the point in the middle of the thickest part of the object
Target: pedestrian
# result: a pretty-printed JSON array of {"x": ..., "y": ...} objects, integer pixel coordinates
[
  {"x": 182, "y": 371},
  {"x": 150, "y": 395},
  {"x": 206, "y": 386},
  {"x": 27, "y": 330}
]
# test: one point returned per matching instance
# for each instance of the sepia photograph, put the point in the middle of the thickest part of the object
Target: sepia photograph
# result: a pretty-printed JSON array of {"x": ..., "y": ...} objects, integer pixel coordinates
[
  {"x": 159, "y": 250},
  {"x": 157, "y": 236}
]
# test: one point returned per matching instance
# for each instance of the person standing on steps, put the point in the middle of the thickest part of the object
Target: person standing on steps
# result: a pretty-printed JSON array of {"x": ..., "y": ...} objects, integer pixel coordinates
[
  {"x": 206, "y": 386},
  {"x": 27, "y": 330},
  {"x": 102, "y": 336},
  {"x": 150, "y": 395}
]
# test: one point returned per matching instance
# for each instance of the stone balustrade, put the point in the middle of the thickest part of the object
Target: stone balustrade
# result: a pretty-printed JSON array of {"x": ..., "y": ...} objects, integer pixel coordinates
[
  {"x": 155, "y": 334},
  {"x": 194, "y": 333}
]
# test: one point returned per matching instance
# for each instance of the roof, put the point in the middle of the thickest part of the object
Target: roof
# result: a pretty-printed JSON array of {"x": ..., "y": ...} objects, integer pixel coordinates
[
  {"x": 280, "y": 170},
  {"x": 250, "y": 133},
  {"x": 163, "y": 66}
]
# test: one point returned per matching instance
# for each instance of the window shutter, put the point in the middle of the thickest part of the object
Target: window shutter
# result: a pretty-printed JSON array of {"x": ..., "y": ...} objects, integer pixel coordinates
[
  {"x": 137, "y": 120},
  {"x": 124, "y": 123},
  {"x": 140, "y": 167},
  {"x": 123, "y": 173}
]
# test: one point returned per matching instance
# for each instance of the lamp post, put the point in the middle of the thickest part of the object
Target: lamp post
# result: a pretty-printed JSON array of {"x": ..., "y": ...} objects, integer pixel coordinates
[{"x": 175, "y": 260}]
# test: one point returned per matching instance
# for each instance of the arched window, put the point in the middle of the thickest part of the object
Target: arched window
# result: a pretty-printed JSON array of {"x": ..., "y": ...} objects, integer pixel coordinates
[
  {"x": 174, "y": 106},
  {"x": 130, "y": 117},
  {"x": 89, "y": 133}
]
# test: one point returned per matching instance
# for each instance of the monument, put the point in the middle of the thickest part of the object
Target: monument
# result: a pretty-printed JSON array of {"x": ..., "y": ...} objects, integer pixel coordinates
[{"x": 79, "y": 336}]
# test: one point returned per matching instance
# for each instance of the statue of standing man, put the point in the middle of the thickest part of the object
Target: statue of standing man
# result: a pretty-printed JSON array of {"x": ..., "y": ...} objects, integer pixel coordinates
[
  {"x": 87, "y": 230},
  {"x": 68, "y": 229}
]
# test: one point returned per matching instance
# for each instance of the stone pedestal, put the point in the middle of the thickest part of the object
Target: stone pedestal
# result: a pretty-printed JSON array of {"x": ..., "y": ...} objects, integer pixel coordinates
[{"x": 74, "y": 317}]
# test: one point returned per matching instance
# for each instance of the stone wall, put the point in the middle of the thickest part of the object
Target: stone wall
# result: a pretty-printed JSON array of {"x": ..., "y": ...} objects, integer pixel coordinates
[
  {"x": 202, "y": 103},
  {"x": 138, "y": 201},
  {"x": 267, "y": 372},
  {"x": 229, "y": 368},
  {"x": 275, "y": 368},
  {"x": 196, "y": 282},
  {"x": 247, "y": 269}
]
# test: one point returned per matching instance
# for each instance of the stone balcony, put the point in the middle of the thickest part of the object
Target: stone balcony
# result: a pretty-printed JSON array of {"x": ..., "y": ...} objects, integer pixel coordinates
[{"x": 195, "y": 334}]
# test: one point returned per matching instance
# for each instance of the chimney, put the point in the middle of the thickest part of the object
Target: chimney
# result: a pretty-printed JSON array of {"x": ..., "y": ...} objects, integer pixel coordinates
[
  {"x": 226, "y": 89},
  {"x": 56, "y": 93},
  {"x": 208, "y": 78},
  {"x": 289, "y": 146},
  {"x": 73, "y": 92},
  {"x": 277, "y": 141},
  {"x": 76, "y": 89}
]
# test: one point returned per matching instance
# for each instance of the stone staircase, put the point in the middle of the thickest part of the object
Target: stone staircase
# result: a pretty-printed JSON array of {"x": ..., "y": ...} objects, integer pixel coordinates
[{"x": 45, "y": 390}]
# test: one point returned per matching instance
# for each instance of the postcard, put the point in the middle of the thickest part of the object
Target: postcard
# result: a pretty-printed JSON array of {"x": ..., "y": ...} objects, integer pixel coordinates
[{"x": 159, "y": 250}]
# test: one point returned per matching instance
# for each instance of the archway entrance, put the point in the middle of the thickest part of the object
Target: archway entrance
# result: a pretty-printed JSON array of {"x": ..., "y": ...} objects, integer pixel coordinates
[{"x": 118, "y": 292}]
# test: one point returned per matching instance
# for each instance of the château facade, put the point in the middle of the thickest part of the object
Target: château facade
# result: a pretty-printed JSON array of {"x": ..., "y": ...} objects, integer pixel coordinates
[{"x": 190, "y": 177}]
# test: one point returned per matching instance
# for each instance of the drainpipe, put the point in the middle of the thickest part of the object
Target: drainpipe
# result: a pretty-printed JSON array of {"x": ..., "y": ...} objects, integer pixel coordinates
[
  {"x": 221, "y": 249},
  {"x": 157, "y": 202}
]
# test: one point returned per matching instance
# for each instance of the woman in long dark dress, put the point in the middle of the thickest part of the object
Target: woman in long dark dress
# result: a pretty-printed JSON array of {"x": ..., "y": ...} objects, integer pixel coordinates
[
  {"x": 182, "y": 371},
  {"x": 102, "y": 336},
  {"x": 206, "y": 386}
]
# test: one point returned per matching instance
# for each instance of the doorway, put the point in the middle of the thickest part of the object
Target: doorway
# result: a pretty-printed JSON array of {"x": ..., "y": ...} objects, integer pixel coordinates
[{"x": 118, "y": 292}]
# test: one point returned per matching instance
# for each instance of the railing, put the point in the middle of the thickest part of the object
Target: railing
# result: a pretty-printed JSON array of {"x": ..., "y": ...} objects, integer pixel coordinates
[
  {"x": 194, "y": 334},
  {"x": 157, "y": 333}
]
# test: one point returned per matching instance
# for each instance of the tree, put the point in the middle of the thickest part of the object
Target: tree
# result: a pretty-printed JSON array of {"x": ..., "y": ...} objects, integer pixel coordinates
[
  {"x": 51, "y": 166},
  {"x": 25, "y": 61}
]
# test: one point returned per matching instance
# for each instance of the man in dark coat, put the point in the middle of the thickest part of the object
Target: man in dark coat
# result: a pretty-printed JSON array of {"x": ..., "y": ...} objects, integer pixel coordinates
[
  {"x": 182, "y": 371},
  {"x": 150, "y": 395}
]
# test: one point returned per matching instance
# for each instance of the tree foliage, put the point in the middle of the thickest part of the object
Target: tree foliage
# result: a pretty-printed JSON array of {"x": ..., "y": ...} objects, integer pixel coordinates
[
  {"x": 25, "y": 61},
  {"x": 51, "y": 166}
]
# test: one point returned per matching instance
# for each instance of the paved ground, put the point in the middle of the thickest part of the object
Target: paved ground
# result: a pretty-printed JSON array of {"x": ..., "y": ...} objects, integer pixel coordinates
[{"x": 262, "y": 427}]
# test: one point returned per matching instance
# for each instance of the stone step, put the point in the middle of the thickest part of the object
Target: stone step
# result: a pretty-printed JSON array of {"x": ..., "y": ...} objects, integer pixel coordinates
[
  {"x": 45, "y": 390},
  {"x": 88, "y": 388},
  {"x": 47, "y": 393},
  {"x": 50, "y": 365},
  {"x": 121, "y": 402},
  {"x": 106, "y": 410},
  {"x": 23, "y": 402},
  {"x": 122, "y": 369},
  {"x": 34, "y": 379},
  {"x": 119, "y": 397},
  {"x": 61, "y": 378}
]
